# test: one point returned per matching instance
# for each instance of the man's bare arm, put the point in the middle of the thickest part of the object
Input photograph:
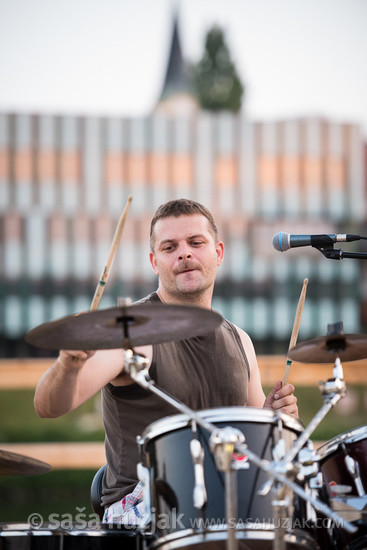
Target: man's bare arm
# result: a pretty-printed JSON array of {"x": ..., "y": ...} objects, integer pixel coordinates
[
  {"x": 69, "y": 382},
  {"x": 279, "y": 398},
  {"x": 256, "y": 396}
]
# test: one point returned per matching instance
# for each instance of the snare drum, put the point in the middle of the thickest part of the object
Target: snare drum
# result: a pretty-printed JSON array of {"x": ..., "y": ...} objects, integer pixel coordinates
[
  {"x": 177, "y": 523},
  {"x": 17, "y": 536}
]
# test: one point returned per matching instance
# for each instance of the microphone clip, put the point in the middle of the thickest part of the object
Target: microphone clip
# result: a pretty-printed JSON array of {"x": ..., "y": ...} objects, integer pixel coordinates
[{"x": 331, "y": 253}]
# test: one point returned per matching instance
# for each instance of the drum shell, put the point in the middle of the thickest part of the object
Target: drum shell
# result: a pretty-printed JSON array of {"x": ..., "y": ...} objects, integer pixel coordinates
[{"x": 166, "y": 451}]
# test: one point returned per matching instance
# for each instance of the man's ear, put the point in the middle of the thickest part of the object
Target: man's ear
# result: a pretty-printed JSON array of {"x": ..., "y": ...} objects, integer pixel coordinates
[
  {"x": 220, "y": 252},
  {"x": 153, "y": 262}
]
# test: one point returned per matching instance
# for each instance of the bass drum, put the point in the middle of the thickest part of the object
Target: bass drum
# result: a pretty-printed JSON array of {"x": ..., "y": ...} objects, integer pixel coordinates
[
  {"x": 15, "y": 536},
  {"x": 176, "y": 523},
  {"x": 345, "y": 493}
]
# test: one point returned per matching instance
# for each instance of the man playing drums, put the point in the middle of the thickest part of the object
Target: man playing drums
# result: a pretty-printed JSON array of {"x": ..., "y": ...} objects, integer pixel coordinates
[{"x": 215, "y": 370}]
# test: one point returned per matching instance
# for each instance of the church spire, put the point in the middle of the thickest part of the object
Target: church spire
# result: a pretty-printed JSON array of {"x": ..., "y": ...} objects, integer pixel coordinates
[{"x": 177, "y": 90}]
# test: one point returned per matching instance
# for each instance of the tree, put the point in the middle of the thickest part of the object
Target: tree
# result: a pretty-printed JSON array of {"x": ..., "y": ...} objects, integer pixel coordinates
[{"x": 216, "y": 82}]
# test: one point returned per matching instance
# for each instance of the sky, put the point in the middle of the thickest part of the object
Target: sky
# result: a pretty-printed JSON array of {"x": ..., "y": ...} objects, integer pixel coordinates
[{"x": 108, "y": 57}]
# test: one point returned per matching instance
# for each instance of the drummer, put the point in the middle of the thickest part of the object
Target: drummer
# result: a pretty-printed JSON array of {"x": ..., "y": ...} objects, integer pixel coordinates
[{"x": 215, "y": 370}]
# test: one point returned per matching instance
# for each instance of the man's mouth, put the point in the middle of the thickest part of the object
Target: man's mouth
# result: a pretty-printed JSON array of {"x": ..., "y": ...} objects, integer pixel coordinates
[
  {"x": 188, "y": 269},
  {"x": 185, "y": 271}
]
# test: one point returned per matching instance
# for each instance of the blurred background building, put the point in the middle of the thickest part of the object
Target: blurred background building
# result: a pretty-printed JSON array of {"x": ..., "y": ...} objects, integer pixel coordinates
[{"x": 64, "y": 181}]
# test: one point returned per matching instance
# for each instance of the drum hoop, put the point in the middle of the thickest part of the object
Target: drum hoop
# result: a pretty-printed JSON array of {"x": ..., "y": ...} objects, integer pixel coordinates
[
  {"x": 26, "y": 532},
  {"x": 349, "y": 437},
  {"x": 221, "y": 414},
  {"x": 263, "y": 532},
  {"x": 25, "y": 529}
]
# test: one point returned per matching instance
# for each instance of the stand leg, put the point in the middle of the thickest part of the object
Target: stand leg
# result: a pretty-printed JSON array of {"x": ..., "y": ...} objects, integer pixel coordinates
[
  {"x": 280, "y": 509},
  {"x": 231, "y": 508}
]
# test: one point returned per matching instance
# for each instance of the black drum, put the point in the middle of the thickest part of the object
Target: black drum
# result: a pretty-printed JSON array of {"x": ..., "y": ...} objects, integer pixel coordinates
[
  {"x": 24, "y": 537},
  {"x": 343, "y": 493},
  {"x": 177, "y": 523},
  {"x": 333, "y": 456}
]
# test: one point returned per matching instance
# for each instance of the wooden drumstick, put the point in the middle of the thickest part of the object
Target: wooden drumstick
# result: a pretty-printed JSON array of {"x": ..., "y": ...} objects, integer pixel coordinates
[
  {"x": 106, "y": 270},
  {"x": 294, "y": 335}
]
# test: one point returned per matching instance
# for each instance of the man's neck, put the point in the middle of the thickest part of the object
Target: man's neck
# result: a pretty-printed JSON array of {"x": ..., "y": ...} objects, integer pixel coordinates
[{"x": 202, "y": 299}]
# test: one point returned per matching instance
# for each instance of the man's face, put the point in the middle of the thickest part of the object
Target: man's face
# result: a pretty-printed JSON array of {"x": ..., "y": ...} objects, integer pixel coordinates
[{"x": 185, "y": 255}]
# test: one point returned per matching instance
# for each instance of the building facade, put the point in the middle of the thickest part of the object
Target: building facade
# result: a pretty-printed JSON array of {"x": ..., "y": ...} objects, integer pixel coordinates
[{"x": 64, "y": 181}]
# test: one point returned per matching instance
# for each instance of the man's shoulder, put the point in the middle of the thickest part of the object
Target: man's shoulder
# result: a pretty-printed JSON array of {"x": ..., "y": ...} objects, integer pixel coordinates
[
  {"x": 240, "y": 334},
  {"x": 227, "y": 325},
  {"x": 151, "y": 298}
]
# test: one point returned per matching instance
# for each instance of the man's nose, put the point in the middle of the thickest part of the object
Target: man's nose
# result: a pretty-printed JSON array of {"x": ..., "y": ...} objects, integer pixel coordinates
[{"x": 184, "y": 253}]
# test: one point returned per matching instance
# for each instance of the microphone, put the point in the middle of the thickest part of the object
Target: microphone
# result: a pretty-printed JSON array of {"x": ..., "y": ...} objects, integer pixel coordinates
[{"x": 283, "y": 241}]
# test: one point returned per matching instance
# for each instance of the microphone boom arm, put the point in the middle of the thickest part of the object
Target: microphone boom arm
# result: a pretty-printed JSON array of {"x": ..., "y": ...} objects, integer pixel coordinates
[{"x": 338, "y": 254}]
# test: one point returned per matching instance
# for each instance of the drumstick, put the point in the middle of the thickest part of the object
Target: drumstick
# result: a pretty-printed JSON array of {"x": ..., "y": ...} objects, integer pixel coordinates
[
  {"x": 106, "y": 270},
  {"x": 294, "y": 335}
]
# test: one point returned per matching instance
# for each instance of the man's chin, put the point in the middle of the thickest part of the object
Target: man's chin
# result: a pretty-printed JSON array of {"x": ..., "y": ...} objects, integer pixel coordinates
[{"x": 190, "y": 289}]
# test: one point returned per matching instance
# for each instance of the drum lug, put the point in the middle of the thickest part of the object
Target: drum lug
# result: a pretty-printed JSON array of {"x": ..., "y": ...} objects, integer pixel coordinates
[
  {"x": 266, "y": 488},
  {"x": 353, "y": 468},
  {"x": 308, "y": 467},
  {"x": 197, "y": 453},
  {"x": 279, "y": 450},
  {"x": 316, "y": 482}
]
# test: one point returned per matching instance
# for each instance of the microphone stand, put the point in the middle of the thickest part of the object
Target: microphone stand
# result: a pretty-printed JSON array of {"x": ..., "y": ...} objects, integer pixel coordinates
[{"x": 338, "y": 254}]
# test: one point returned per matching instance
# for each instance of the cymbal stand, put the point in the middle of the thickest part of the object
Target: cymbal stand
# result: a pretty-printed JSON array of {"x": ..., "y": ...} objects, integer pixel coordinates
[
  {"x": 280, "y": 498},
  {"x": 272, "y": 471},
  {"x": 222, "y": 444},
  {"x": 332, "y": 391},
  {"x": 137, "y": 367},
  {"x": 280, "y": 503}
]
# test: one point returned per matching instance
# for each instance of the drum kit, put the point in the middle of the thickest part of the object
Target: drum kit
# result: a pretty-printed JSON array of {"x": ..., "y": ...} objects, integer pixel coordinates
[{"x": 232, "y": 477}]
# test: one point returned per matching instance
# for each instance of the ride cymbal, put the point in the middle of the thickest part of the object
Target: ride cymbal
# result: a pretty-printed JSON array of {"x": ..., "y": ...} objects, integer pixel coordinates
[
  {"x": 12, "y": 464},
  {"x": 325, "y": 349},
  {"x": 146, "y": 324}
]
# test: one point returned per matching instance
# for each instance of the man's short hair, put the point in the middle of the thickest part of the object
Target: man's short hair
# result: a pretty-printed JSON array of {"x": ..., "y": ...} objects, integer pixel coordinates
[{"x": 181, "y": 207}]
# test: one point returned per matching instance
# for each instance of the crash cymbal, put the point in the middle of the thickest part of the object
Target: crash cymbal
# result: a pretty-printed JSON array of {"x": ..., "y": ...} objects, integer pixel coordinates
[
  {"x": 348, "y": 347},
  {"x": 13, "y": 464},
  {"x": 147, "y": 323}
]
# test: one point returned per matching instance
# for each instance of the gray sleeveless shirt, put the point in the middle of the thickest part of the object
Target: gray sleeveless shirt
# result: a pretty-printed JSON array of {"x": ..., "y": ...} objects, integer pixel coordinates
[{"x": 203, "y": 372}]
